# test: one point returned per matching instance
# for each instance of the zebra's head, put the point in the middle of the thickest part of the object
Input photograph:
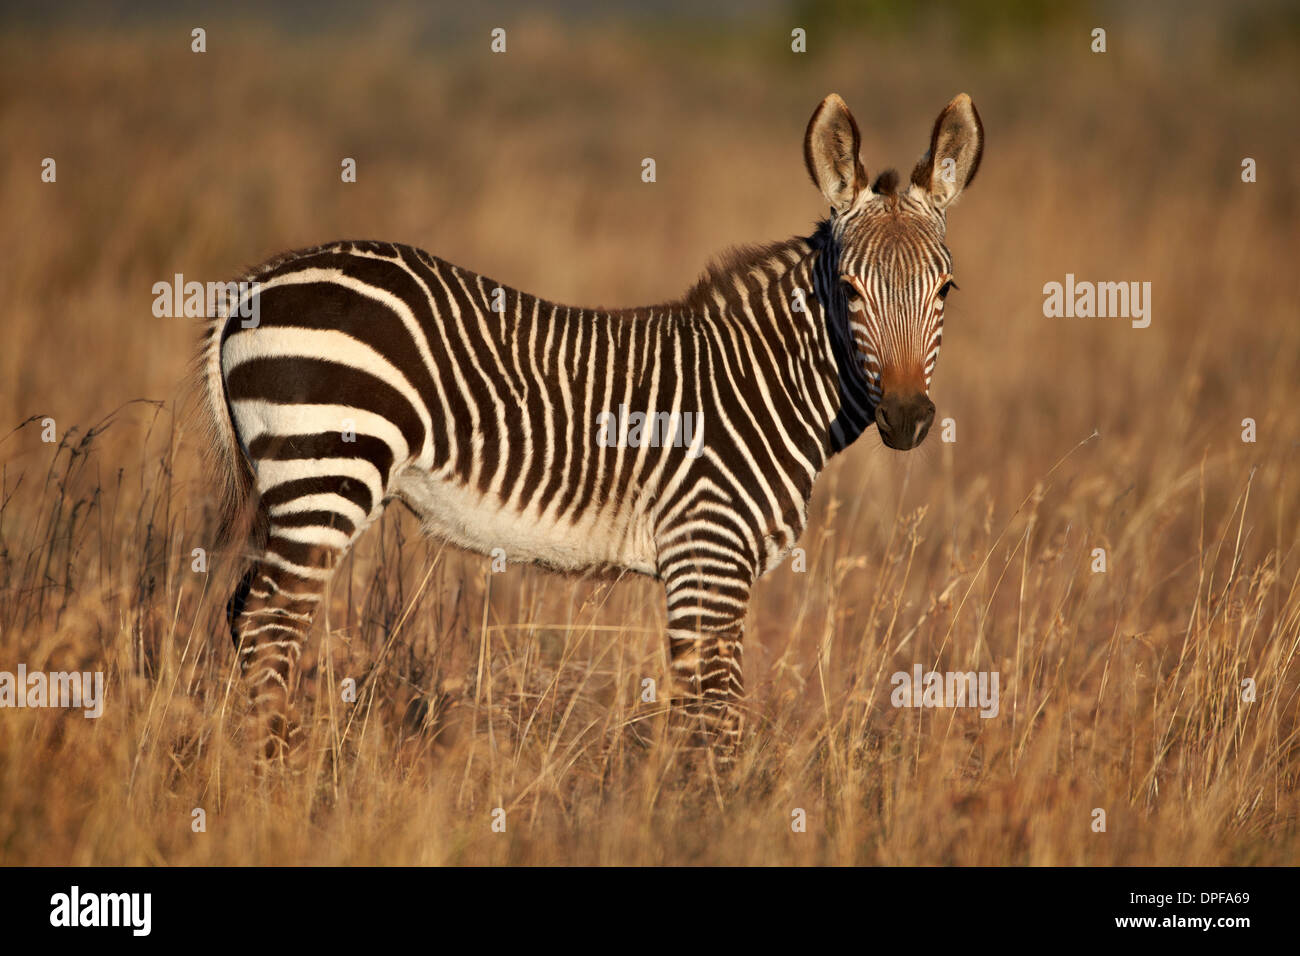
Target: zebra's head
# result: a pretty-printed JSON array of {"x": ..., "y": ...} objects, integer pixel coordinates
[{"x": 894, "y": 269}]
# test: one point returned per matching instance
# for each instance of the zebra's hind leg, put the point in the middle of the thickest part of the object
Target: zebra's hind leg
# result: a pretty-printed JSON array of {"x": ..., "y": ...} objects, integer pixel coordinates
[
  {"x": 271, "y": 612},
  {"x": 708, "y": 593}
]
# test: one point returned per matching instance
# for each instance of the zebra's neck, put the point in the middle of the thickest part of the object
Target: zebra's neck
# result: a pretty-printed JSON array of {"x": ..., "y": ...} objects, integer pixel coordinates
[
  {"x": 830, "y": 316},
  {"x": 791, "y": 293}
]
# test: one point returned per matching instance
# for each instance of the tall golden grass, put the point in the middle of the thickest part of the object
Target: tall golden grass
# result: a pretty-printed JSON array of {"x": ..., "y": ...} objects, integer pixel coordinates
[{"x": 1120, "y": 690}]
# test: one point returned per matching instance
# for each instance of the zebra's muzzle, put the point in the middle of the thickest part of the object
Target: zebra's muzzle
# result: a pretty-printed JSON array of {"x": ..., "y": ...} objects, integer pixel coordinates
[{"x": 904, "y": 420}]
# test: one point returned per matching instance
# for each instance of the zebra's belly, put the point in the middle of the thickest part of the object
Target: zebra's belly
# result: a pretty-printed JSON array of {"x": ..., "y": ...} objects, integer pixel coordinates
[{"x": 474, "y": 521}]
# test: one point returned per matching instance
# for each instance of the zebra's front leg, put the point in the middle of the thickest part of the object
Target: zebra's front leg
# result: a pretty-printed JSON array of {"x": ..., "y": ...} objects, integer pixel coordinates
[{"x": 708, "y": 594}]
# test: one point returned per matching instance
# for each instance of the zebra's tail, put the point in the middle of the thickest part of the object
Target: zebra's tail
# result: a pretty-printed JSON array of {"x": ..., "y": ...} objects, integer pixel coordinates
[{"x": 239, "y": 520}]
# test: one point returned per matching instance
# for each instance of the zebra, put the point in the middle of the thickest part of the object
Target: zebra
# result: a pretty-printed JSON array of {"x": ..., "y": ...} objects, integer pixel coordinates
[{"x": 377, "y": 372}]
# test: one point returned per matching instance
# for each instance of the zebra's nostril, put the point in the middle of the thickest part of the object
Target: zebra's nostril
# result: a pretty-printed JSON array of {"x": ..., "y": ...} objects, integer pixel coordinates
[{"x": 882, "y": 418}]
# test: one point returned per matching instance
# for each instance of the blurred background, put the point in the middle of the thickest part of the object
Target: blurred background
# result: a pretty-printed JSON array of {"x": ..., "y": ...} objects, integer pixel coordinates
[{"x": 526, "y": 166}]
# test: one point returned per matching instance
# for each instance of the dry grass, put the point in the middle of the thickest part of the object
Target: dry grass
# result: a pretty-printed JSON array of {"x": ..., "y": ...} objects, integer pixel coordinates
[{"x": 521, "y": 690}]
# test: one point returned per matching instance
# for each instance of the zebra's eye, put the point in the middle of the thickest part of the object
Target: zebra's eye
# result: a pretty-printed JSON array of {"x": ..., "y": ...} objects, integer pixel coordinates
[
  {"x": 853, "y": 293},
  {"x": 946, "y": 288}
]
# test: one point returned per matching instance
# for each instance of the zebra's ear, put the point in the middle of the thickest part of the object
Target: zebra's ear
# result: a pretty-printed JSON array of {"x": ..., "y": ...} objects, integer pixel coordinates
[
  {"x": 830, "y": 151},
  {"x": 956, "y": 146}
]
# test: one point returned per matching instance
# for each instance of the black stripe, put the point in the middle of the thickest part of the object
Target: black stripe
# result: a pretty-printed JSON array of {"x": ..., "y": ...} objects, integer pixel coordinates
[
  {"x": 314, "y": 519},
  {"x": 300, "y": 553},
  {"x": 296, "y": 380},
  {"x": 327, "y": 445},
  {"x": 342, "y": 485}
]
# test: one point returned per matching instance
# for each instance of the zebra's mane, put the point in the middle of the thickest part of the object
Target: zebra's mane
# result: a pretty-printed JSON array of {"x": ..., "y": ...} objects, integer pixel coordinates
[{"x": 773, "y": 258}]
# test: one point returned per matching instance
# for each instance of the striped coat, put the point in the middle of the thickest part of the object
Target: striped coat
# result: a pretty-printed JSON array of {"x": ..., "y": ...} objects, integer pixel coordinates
[{"x": 680, "y": 440}]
